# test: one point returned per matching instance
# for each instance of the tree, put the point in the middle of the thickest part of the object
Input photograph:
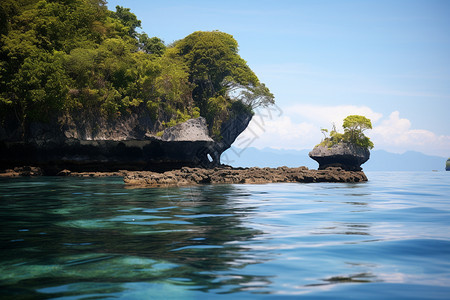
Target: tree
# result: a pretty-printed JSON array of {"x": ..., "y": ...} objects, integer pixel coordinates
[
  {"x": 75, "y": 58},
  {"x": 152, "y": 45},
  {"x": 354, "y": 127},
  {"x": 250, "y": 95},
  {"x": 324, "y": 132},
  {"x": 216, "y": 69},
  {"x": 128, "y": 19}
]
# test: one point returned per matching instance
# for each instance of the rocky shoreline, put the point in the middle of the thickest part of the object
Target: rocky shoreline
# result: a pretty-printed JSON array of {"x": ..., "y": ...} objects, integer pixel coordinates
[
  {"x": 228, "y": 175},
  {"x": 29, "y": 171},
  {"x": 219, "y": 175}
]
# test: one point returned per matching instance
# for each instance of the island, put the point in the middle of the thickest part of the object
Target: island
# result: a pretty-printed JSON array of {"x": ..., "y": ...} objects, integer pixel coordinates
[
  {"x": 88, "y": 94},
  {"x": 348, "y": 150}
]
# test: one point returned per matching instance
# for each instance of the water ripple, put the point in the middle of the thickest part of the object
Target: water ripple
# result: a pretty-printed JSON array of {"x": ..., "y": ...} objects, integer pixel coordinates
[{"x": 388, "y": 238}]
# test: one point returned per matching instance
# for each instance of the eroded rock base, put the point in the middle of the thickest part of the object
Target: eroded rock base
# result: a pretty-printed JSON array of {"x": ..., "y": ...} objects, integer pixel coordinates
[{"x": 229, "y": 175}]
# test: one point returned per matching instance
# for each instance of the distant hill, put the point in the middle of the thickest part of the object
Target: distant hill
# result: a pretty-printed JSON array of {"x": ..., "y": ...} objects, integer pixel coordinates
[{"x": 380, "y": 160}]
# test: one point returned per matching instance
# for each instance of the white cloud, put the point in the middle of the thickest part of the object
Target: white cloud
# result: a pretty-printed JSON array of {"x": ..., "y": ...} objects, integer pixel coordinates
[
  {"x": 395, "y": 134},
  {"x": 279, "y": 133},
  {"x": 298, "y": 127},
  {"x": 326, "y": 115}
]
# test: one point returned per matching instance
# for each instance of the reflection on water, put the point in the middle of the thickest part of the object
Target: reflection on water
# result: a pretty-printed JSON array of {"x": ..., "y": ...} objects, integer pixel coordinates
[
  {"x": 79, "y": 230},
  {"x": 93, "y": 238}
]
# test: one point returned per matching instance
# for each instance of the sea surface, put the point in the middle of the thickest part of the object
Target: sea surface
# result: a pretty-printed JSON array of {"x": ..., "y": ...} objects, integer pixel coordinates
[{"x": 94, "y": 238}]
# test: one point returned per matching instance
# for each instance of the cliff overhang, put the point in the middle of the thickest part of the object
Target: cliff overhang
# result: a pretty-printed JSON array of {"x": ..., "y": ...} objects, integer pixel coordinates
[{"x": 184, "y": 145}]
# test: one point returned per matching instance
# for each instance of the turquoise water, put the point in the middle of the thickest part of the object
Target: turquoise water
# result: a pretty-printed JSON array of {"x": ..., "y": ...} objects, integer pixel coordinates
[{"x": 92, "y": 238}]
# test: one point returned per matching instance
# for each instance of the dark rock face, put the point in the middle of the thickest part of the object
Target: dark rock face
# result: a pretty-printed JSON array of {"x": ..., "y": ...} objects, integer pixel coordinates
[
  {"x": 120, "y": 144},
  {"x": 104, "y": 156},
  {"x": 229, "y": 131},
  {"x": 344, "y": 155},
  {"x": 228, "y": 175}
]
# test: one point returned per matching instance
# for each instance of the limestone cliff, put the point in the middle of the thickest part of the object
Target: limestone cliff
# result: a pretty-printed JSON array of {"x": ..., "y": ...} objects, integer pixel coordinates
[
  {"x": 192, "y": 130},
  {"x": 229, "y": 131},
  {"x": 129, "y": 142}
]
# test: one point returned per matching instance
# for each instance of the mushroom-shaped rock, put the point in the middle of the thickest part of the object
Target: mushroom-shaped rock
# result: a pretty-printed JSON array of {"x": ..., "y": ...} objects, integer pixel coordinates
[{"x": 348, "y": 156}]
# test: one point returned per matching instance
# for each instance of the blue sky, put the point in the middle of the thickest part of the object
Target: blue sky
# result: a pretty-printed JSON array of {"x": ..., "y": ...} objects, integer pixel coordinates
[{"x": 324, "y": 60}]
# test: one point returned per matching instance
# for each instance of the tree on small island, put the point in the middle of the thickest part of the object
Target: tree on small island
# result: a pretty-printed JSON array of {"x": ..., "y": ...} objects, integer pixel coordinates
[
  {"x": 348, "y": 150},
  {"x": 354, "y": 127}
]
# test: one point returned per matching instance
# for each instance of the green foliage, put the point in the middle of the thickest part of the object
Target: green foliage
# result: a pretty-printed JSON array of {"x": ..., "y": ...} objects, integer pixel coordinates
[
  {"x": 152, "y": 45},
  {"x": 182, "y": 116},
  {"x": 214, "y": 62},
  {"x": 356, "y": 124},
  {"x": 250, "y": 95},
  {"x": 172, "y": 84},
  {"x": 66, "y": 56},
  {"x": 354, "y": 127},
  {"x": 128, "y": 19},
  {"x": 38, "y": 87},
  {"x": 218, "y": 109}
]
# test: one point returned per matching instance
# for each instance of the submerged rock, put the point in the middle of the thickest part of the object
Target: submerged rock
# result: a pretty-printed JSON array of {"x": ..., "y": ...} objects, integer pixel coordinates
[{"x": 347, "y": 156}]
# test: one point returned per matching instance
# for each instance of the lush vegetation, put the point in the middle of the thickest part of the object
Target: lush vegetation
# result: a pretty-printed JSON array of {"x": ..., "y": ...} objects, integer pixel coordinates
[
  {"x": 354, "y": 127},
  {"x": 67, "y": 56}
]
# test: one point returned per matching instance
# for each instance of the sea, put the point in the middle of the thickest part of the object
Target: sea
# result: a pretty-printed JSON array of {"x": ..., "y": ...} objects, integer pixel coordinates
[{"x": 96, "y": 238}]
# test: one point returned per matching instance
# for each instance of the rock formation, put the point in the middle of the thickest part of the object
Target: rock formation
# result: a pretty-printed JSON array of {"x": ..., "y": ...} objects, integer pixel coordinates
[
  {"x": 228, "y": 175},
  {"x": 347, "y": 156},
  {"x": 229, "y": 131},
  {"x": 89, "y": 144},
  {"x": 190, "y": 131}
]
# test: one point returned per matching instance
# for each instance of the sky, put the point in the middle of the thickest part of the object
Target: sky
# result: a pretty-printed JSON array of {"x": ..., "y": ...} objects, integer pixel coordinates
[{"x": 327, "y": 59}]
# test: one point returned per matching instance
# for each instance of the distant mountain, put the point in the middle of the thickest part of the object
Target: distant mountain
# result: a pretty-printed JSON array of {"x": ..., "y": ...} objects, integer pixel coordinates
[
  {"x": 267, "y": 157},
  {"x": 380, "y": 160}
]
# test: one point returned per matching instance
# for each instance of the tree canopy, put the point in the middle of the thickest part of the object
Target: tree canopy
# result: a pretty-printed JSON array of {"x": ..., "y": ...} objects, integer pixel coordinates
[
  {"x": 216, "y": 69},
  {"x": 354, "y": 127},
  {"x": 62, "y": 56}
]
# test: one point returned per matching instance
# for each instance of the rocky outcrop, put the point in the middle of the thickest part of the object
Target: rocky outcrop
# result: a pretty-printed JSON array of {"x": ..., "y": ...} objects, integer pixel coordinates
[
  {"x": 229, "y": 131},
  {"x": 347, "y": 156},
  {"x": 26, "y": 171},
  {"x": 120, "y": 144},
  {"x": 84, "y": 126},
  {"x": 135, "y": 125},
  {"x": 104, "y": 156},
  {"x": 228, "y": 175}
]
